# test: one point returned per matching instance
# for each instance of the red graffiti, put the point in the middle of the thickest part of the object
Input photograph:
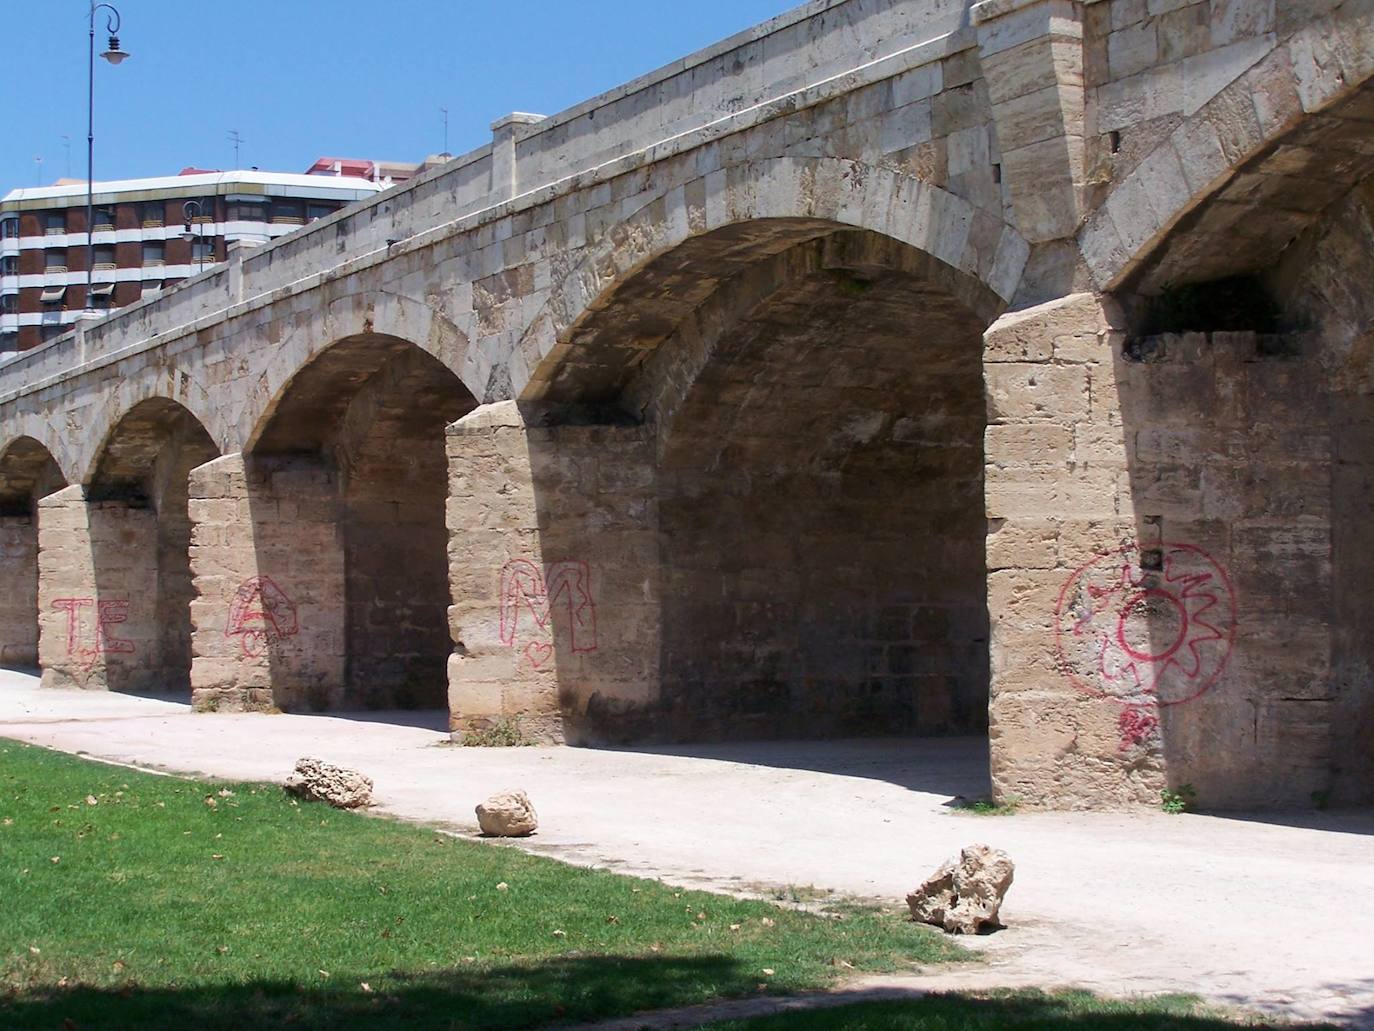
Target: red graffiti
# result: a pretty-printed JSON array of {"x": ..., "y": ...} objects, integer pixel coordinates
[
  {"x": 88, "y": 644},
  {"x": 1148, "y": 628},
  {"x": 538, "y": 652},
  {"x": 1137, "y": 726},
  {"x": 260, "y": 615},
  {"x": 530, "y": 596}
]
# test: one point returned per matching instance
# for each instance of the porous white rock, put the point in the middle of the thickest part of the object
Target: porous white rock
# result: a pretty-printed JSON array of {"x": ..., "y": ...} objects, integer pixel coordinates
[
  {"x": 319, "y": 781},
  {"x": 965, "y": 896}
]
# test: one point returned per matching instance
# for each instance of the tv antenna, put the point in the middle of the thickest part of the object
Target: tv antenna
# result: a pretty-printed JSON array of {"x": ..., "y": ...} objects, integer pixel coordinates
[
  {"x": 235, "y": 139},
  {"x": 444, "y": 111},
  {"x": 67, "y": 147}
]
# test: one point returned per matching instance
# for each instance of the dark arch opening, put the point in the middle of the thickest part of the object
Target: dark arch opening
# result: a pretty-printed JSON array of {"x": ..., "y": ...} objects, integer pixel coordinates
[
  {"x": 368, "y": 415},
  {"x": 28, "y": 473},
  {"x": 818, "y": 399},
  {"x": 140, "y": 529}
]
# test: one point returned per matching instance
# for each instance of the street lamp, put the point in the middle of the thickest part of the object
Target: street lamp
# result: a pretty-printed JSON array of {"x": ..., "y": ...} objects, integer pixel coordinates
[
  {"x": 189, "y": 211},
  {"x": 114, "y": 54}
]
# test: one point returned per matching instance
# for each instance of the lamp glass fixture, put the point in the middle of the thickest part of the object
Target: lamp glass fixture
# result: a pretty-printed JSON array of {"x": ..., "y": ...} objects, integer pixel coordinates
[{"x": 115, "y": 54}]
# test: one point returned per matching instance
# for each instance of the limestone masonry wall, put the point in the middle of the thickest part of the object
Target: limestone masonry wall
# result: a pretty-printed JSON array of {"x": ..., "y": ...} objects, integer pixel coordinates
[
  {"x": 97, "y": 594},
  {"x": 267, "y": 557},
  {"x": 553, "y": 565}
]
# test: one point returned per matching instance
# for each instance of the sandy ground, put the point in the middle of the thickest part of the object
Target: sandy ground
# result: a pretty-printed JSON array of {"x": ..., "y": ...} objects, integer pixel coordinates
[{"x": 1269, "y": 911}]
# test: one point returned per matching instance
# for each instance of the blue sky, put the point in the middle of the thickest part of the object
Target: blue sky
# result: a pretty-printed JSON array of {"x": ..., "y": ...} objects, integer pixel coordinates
[{"x": 303, "y": 78}]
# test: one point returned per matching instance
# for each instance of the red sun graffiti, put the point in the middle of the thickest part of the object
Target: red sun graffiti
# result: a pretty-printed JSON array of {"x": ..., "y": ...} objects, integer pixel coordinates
[{"x": 1146, "y": 637}]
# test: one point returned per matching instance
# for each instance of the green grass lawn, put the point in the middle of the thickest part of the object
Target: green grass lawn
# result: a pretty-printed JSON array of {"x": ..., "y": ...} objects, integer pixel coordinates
[
  {"x": 128, "y": 899},
  {"x": 1005, "y": 1011}
]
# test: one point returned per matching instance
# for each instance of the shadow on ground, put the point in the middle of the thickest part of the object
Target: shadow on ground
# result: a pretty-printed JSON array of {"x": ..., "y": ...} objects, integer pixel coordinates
[
  {"x": 562, "y": 990},
  {"x": 1354, "y": 820},
  {"x": 953, "y": 766},
  {"x": 420, "y": 719},
  {"x": 569, "y": 991},
  {"x": 994, "y": 1011}
]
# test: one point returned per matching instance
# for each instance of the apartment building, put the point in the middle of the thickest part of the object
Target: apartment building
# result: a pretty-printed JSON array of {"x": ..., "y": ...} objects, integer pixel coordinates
[{"x": 148, "y": 235}]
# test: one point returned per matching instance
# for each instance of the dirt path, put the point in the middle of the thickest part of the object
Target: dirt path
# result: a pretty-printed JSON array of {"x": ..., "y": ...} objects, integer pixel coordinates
[{"x": 1265, "y": 912}]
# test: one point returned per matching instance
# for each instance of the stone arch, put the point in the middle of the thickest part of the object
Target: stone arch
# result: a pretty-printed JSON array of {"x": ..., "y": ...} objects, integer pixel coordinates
[
  {"x": 345, "y": 483},
  {"x": 362, "y": 316},
  {"x": 760, "y": 208},
  {"x": 812, "y": 398},
  {"x": 1178, "y": 216},
  {"x": 115, "y": 577},
  {"x": 28, "y": 473},
  {"x": 1259, "y": 204},
  {"x": 163, "y": 389}
]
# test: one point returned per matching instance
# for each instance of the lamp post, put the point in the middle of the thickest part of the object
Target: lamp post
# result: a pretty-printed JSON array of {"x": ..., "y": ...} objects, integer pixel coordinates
[
  {"x": 189, "y": 211},
  {"x": 114, "y": 55}
]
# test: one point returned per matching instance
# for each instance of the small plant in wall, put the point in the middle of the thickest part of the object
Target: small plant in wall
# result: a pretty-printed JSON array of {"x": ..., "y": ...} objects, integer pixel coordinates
[
  {"x": 1182, "y": 799},
  {"x": 986, "y": 806},
  {"x": 502, "y": 733}
]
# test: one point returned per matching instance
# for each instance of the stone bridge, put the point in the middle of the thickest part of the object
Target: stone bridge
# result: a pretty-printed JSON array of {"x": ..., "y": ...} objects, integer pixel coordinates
[{"x": 896, "y": 366}]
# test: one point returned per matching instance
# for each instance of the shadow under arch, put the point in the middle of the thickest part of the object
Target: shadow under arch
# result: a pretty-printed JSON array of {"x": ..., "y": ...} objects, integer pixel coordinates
[
  {"x": 762, "y": 207},
  {"x": 28, "y": 473},
  {"x": 782, "y": 532},
  {"x": 347, "y": 478},
  {"x": 1255, "y": 167},
  {"x": 117, "y": 583}
]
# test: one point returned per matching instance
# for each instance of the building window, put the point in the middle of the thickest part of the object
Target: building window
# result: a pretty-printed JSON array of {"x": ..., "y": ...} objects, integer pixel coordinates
[
  {"x": 55, "y": 261},
  {"x": 287, "y": 213},
  {"x": 247, "y": 211},
  {"x": 9, "y": 304},
  {"x": 203, "y": 250},
  {"x": 52, "y": 332},
  {"x": 151, "y": 213},
  {"x": 9, "y": 229},
  {"x": 55, "y": 223},
  {"x": 101, "y": 295},
  {"x": 104, "y": 220},
  {"x": 104, "y": 257},
  {"x": 314, "y": 211},
  {"x": 154, "y": 253},
  {"x": 9, "y": 265},
  {"x": 9, "y": 341},
  {"x": 206, "y": 206}
]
